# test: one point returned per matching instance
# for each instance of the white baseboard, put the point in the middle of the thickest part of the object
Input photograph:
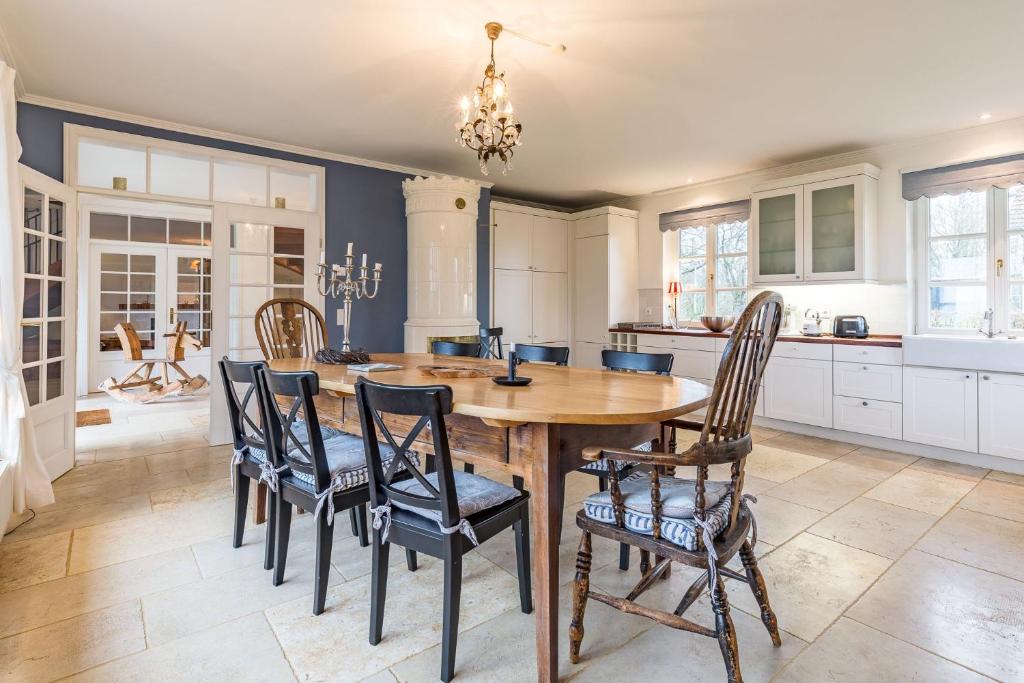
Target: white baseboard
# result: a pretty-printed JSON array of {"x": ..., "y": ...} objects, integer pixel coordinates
[
  {"x": 6, "y": 495},
  {"x": 921, "y": 450}
]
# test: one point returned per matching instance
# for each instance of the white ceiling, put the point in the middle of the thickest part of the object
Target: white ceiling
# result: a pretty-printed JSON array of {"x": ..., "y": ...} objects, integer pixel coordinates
[{"x": 648, "y": 95}]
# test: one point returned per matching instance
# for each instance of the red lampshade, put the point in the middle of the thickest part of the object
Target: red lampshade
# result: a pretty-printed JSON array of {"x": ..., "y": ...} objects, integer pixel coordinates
[{"x": 674, "y": 287}]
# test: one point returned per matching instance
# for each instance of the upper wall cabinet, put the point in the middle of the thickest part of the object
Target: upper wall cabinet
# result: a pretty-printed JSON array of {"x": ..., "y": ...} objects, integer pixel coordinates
[
  {"x": 529, "y": 242},
  {"x": 818, "y": 227}
]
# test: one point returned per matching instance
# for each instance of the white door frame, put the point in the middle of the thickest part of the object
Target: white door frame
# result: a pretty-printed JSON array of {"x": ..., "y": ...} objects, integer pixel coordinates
[
  {"x": 223, "y": 217},
  {"x": 49, "y": 415}
]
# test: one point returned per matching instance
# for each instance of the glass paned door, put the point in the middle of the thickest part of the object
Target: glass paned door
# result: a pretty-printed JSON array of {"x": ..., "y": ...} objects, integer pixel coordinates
[
  {"x": 778, "y": 236},
  {"x": 47, "y": 324},
  {"x": 833, "y": 215}
]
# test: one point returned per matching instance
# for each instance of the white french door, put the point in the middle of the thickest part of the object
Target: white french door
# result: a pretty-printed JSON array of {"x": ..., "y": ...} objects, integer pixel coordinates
[
  {"x": 261, "y": 254},
  {"x": 48, "y": 316}
]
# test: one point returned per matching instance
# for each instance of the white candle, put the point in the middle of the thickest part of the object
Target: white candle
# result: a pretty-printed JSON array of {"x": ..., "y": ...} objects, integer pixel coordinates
[
  {"x": 364, "y": 261},
  {"x": 512, "y": 347},
  {"x": 322, "y": 261},
  {"x": 349, "y": 252},
  {"x": 376, "y": 266}
]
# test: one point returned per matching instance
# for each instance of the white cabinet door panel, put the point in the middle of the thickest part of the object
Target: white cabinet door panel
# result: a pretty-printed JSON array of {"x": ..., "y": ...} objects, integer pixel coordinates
[
  {"x": 591, "y": 310},
  {"x": 940, "y": 407},
  {"x": 698, "y": 364},
  {"x": 512, "y": 239},
  {"x": 863, "y": 380},
  {"x": 550, "y": 245},
  {"x": 799, "y": 390},
  {"x": 878, "y": 418},
  {"x": 512, "y": 305},
  {"x": 1000, "y": 416},
  {"x": 550, "y": 307},
  {"x": 586, "y": 355}
]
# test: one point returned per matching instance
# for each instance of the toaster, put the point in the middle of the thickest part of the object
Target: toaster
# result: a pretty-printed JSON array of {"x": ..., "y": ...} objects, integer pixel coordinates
[{"x": 850, "y": 326}]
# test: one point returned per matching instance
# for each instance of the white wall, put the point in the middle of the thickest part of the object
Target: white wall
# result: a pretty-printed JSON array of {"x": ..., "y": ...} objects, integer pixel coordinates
[{"x": 889, "y": 304}]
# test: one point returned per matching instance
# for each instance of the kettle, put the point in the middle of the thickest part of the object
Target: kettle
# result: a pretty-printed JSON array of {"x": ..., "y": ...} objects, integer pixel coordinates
[{"x": 812, "y": 326}]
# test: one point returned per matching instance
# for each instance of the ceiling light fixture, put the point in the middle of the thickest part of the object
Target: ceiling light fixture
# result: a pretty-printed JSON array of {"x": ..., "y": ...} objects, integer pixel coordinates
[
  {"x": 488, "y": 125},
  {"x": 985, "y": 117}
]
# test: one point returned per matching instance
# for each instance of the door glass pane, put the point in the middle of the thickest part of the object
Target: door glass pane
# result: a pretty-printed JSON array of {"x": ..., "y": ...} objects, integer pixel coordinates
[
  {"x": 958, "y": 214},
  {"x": 833, "y": 230},
  {"x": 33, "y": 210},
  {"x": 32, "y": 306},
  {"x": 143, "y": 322},
  {"x": 145, "y": 301},
  {"x": 185, "y": 232},
  {"x": 731, "y": 271},
  {"x": 109, "y": 341},
  {"x": 30, "y": 343},
  {"x": 113, "y": 301},
  {"x": 956, "y": 306},
  {"x": 145, "y": 340},
  {"x": 54, "y": 380},
  {"x": 54, "y": 339},
  {"x": 287, "y": 270},
  {"x": 100, "y": 161},
  {"x": 56, "y": 217},
  {"x": 248, "y": 269},
  {"x": 249, "y": 237},
  {"x": 957, "y": 259},
  {"x": 31, "y": 376},
  {"x": 106, "y": 226},
  {"x": 108, "y": 321},
  {"x": 287, "y": 293},
  {"x": 179, "y": 175},
  {"x": 245, "y": 300},
  {"x": 56, "y": 260},
  {"x": 143, "y": 283},
  {"x": 112, "y": 282},
  {"x": 143, "y": 263},
  {"x": 117, "y": 263},
  {"x": 777, "y": 235},
  {"x": 144, "y": 229},
  {"x": 188, "y": 284},
  {"x": 288, "y": 240},
  {"x": 239, "y": 183},
  {"x": 33, "y": 253},
  {"x": 55, "y": 299},
  {"x": 207, "y": 234}
]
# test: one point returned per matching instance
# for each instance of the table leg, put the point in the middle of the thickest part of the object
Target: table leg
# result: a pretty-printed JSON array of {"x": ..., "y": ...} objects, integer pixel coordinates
[
  {"x": 546, "y": 511},
  {"x": 259, "y": 503}
]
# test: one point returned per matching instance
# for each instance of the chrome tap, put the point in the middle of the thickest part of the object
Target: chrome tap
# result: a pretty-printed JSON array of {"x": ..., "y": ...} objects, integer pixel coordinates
[{"x": 989, "y": 321}]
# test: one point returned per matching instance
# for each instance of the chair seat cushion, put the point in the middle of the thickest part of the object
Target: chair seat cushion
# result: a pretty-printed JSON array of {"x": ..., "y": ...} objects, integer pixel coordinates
[
  {"x": 602, "y": 464},
  {"x": 346, "y": 460},
  {"x": 475, "y": 494},
  {"x": 259, "y": 455}
]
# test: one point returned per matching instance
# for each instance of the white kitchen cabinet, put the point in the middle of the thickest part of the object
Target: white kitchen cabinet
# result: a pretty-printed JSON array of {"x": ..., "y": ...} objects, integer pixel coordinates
[
  {"x": 512, "y": 231},
  {"x": 586, "y": 355},
  {"x": 513, "y": 304},
  {"x": 591, "y": 290},
  {"x": 867, "y": 380},
  {"x": 1000, "y": 416},
  {"x": 799, "y": 390},
  {"x": 549, "y": 244},
  {"x": 878, "y": 418},
  {"x": 940, "y": 407},
  {"x": 550, "y": 301},
  {"x": 777, "y": 235},
  {"x": 605, "y": 271}
]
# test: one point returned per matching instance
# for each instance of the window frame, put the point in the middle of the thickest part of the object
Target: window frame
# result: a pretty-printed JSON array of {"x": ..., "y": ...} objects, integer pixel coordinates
[{"x": 711, "y": 256}]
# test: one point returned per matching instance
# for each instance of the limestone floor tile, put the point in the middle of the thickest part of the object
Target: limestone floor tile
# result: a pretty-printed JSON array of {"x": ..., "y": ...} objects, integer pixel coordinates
[
  {"x": 54, "y": 518},
  {"x": 129, "y": 485},
  {"x": 73, "y": 645},
  {"x": 875, "y": 526},
  {"x": 207, "y": 473},
  {"x": 384, "y": 676},
  {"x": 759, "y": 434},
  {"x": 850, "y": 652},
  {"x": 195, "y": 457},
  {"x": 811, "y": 581},
  {"x": 242, "y": 650},
  {"x": 334, "y": 647},
  {"x": 1007, "y": 477},
  {"x": 774, "y": 464},
  {"x": 983, "y": 541},
  {"x": 661, "y": 653},
  {"x": 184, "y": 610},
  {"x": 811, "y": 445},
  {"x": 950, "y": 469},
  {"x": 723, "y": 472},
  {"x": 884, "y": 462},
  {"x": 352, "y": 561},
  {"x": 85, "y": 457},
  {"x": 165, "y": 499},
  {"x": 828, "y": 487},
  {"x": 966, "y": 615},
  {"x": 32, "y": 561},
  {"x": 53, "y": 601},
  {"x": 101, "y": 473},
  {"x": 998, "y": 499},
  {"x": 922, "y": 491},
  {"x": 135, "y": 537},
  {"x": 779, "y": 520},
  {"x": 215, "y": 556}
]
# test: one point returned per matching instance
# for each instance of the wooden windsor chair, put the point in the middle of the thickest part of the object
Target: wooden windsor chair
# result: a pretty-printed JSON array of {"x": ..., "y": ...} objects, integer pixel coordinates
[
  {"x": 290, "y": 328},
  {"x": 698, "y": 522}
]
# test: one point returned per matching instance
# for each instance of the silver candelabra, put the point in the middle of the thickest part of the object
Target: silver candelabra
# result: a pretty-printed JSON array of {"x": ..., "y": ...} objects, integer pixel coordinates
[{"x": 338, "y": 280}]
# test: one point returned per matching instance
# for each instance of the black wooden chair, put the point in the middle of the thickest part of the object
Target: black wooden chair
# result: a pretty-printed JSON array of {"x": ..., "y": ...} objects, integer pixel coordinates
[
  {"x": 490, "y": 342},
  {"x": 697, "y": 522},
  {"x": 526, "y": 353},
  {"x": 450, "y": 348},
  {"x": 444, "y": 514},
  {"x": 318, "y": 474}
]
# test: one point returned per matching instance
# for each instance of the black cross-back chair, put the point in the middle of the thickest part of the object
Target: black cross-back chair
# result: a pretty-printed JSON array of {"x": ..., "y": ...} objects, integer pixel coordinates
[
  {"x": 318, "y": 475},
  {"x": 718, "y": 520},
  {"x": 559, "y": 355},
  {"x": 450, "y": 348},
  {"x": 444, "y": 514},
  {"x": 490, "y": 342}
]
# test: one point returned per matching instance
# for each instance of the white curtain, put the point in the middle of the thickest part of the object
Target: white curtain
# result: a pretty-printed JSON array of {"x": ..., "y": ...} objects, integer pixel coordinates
[{"x": 17, "y": 435}]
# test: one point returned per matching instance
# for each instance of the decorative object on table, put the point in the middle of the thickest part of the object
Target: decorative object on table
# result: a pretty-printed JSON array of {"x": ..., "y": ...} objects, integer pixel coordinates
[
  {"x": 488, "y": 125},
  {"x": 373, "y": 367},
  {"x": 717, "y": 323},
  {"x": 675, "y": 288},
  {"x": 335, "y": 357},
  {"x": 461, "y": 371},
  {"x": 289, "y": 328},
  {"x": 338, "y": 280},
  {"x": 812, "y": 326},
  {"x": 139, "y": 385},
  {"x": 512, "y": 379}
]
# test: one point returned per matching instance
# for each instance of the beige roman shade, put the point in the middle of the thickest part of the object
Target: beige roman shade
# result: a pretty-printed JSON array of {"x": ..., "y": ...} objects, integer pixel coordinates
[
  {"x": 974, "y": 175},
  {"x": 705, "y": 215}
]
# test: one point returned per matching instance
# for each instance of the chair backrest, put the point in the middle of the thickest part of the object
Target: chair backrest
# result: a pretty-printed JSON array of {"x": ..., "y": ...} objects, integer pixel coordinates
[
  {"x": 284, "y": 447},
  {"x": 490, "y": 342},
  {"x": 241, "y": 376},
  {"x": 658, "y": 363},
  {"x": 290, "y": 328},
  {"x": 430, "y": 404},
  {"x": 559, "y": 355},
  {"x": 450, "y": 348}
]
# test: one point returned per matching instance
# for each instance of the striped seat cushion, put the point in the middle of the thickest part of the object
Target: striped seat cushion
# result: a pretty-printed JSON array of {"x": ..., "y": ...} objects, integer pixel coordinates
[
  {"x": 346, "y": 460},
  {"x": 602, "y": 464},
  {"x": 259, "y": 455}
]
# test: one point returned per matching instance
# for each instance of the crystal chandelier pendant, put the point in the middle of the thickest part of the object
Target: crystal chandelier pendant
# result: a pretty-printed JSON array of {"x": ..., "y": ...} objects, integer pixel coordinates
[{"x": 488, "y": 124}]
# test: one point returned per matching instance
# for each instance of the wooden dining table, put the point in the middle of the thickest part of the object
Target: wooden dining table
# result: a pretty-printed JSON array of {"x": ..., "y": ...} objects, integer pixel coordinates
[{"x": 536, "y": 432}]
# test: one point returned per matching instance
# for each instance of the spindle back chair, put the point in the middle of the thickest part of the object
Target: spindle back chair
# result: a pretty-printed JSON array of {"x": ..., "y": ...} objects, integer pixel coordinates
[{"x": 290, "y": 328}]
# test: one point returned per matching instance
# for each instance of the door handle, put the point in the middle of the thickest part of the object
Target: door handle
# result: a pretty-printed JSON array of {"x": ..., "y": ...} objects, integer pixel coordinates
[
  {"x": 999, "y": 267},
  {"x": 170, "y": 317}
]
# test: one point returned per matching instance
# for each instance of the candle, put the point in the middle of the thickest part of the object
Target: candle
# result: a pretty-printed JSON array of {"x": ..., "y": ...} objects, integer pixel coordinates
[
  {"x": 322, "y": 261},
  {"x": 376, "y": 266},
  {"x": 349, "y": 252},
  {"x": 364, "y": 261}
]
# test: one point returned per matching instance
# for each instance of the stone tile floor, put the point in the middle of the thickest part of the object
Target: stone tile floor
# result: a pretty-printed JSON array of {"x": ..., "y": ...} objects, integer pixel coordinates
[{"x": 881, "y": 567}]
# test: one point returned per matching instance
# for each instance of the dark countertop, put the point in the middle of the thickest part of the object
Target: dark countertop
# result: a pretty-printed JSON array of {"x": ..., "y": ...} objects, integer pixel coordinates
[{"x": 891, "y": 340}]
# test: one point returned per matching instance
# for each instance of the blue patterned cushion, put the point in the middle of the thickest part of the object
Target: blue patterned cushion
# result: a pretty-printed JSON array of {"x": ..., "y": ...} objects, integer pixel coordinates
[
  {"x": 346, "y": 460},
  {"x": 602, "y": 464},
  {"x": 256, "y": 455},
  {"x": 475, "y": 493},
  {"x": 259, "y": 455}
]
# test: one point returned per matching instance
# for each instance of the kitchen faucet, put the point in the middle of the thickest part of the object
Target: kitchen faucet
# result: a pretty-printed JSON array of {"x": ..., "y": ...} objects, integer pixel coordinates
[{"x": 989, "y": 321}]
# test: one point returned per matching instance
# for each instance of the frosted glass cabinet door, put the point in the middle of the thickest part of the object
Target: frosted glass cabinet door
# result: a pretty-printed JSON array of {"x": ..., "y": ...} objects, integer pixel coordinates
[
  {"x": 778, "y": 217},
  {"x": 833, "y": 233}
]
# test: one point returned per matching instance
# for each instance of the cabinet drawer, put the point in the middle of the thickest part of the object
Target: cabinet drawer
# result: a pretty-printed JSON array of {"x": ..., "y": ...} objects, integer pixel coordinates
[
  {"x": 700, "y": 365},
  {"x": 879, "y": 355},
  {"x": 878, "y": 418},
  {"x": 671, "y": 341},
  {"x": 659, "y": 341},
  {"x": 864, "y": 380},
  {"x": 810, "y": 351}
]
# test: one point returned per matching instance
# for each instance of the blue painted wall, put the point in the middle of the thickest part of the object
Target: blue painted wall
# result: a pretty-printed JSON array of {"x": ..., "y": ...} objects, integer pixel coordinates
[{"x": 364, "y": 205}]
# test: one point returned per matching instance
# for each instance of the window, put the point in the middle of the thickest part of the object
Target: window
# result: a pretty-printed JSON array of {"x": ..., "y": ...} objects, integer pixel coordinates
[
  {"x": 713, "y": 268},
  {"x": 971, "y": 258}
]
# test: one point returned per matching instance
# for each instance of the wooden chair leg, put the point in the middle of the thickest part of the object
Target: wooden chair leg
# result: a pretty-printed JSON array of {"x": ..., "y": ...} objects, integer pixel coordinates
[
  {"x": 272, "y": 529},
  {"x": 468, "y": 468},
  {"x": 450, "y": 619},
  {"x": 259, "y": 514},
  {"x": 241, "y": 505},
  {"x": 379, "y": 585},
  {"x": 726, "y": 632},
  {"x": 324, "y": 544},
  {"x": 760, "y": 591},
  {"x": 580, "y": 588},
  {"x": 521, "y": 530},
  {"x": 284, "y": 527},
  {"x": 645, "y": 562}
]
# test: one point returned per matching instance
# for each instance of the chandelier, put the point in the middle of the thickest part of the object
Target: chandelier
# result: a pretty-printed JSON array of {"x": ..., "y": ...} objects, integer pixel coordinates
[{"x": 488, "y": 125}]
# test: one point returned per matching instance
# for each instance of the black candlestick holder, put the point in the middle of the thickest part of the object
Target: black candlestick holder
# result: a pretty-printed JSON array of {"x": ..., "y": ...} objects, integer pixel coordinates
[{"x": 513, "y": 379}]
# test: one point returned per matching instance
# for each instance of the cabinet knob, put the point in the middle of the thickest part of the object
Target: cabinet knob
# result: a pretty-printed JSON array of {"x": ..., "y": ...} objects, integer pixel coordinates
[
  {"x": 864, "y": 403},
  {"x": 984, "y": 377},
  {"x": 864, "y": 367},
  {"x": 967, "y": 376}
]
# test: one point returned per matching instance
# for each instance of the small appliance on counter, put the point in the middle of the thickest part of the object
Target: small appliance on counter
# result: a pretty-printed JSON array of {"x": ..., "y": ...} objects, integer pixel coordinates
[
  {"x": 812, "y": 326},
  {"x": 854, "y": 326}
]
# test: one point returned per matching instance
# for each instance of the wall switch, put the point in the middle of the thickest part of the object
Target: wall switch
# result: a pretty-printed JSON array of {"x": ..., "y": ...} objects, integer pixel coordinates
[{"x": 341, "y": 316}]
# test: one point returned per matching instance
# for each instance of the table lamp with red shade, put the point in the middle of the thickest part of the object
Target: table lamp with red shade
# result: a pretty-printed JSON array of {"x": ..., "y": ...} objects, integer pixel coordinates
[{"x": 675, "y": 288}]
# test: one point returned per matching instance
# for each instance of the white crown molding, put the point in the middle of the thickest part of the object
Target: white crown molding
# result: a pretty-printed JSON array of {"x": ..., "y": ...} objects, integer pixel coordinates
[
  {"x": 90, "y": 110},
  {"x": 7, "y": 55}
]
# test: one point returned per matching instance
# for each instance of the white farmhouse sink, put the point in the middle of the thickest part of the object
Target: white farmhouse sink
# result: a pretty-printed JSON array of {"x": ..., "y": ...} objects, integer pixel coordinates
[{"x": 999, "y": 354}]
